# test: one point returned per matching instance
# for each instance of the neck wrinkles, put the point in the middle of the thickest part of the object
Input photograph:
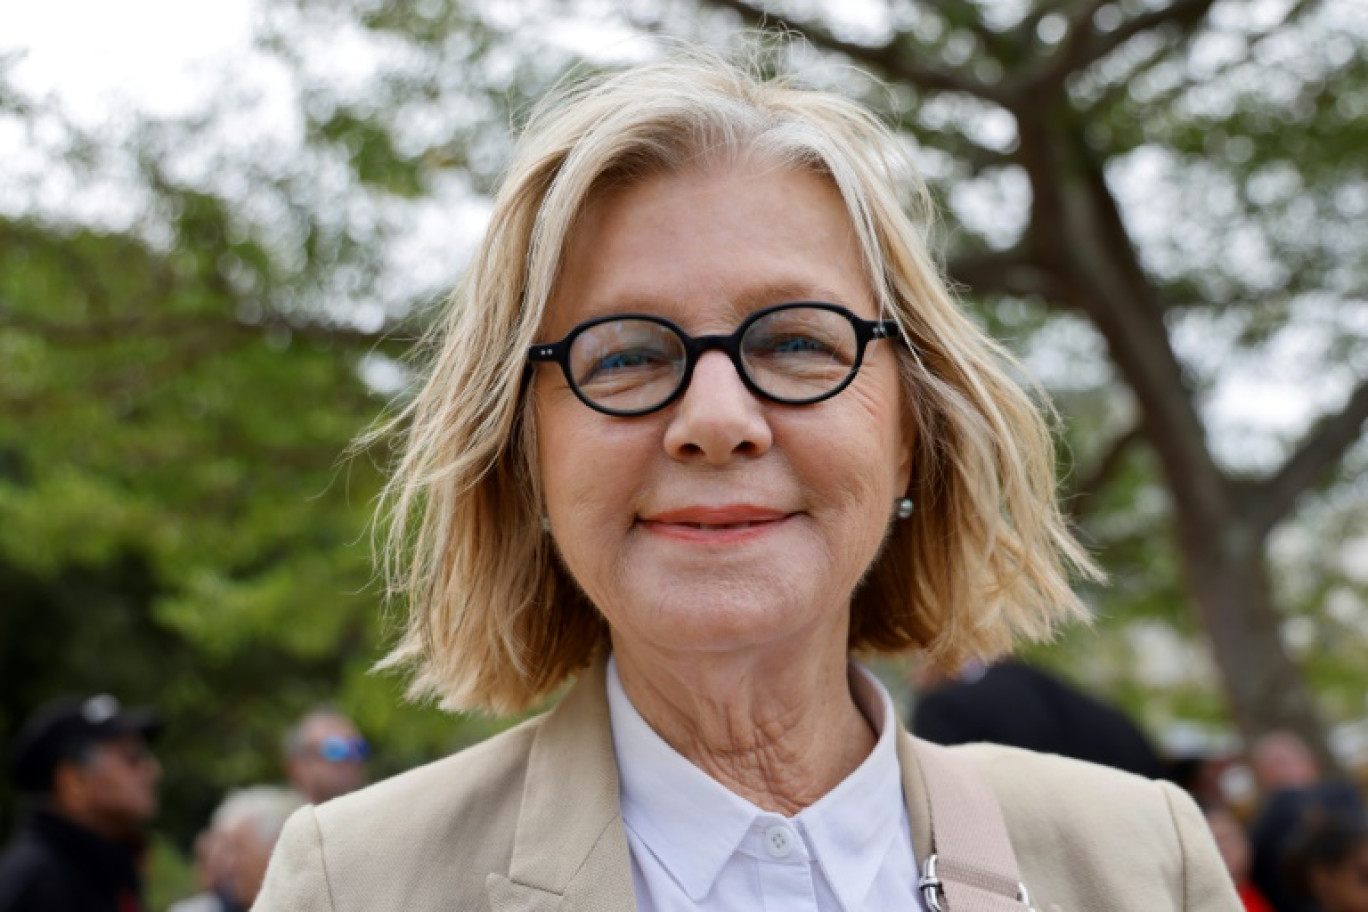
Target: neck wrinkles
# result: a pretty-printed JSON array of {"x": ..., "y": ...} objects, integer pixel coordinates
[{"x": 780, "y": 734}]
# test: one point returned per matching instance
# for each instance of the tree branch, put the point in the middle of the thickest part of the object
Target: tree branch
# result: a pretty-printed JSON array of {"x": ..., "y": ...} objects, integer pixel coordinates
[
  {"x": 1086, "y": 45},
  {"x": 888, "y": 57},
  {"x": 1164, "y": 99},
  {"x": 1322, "y": 447},
  {"x": 975, "y": 158},
  {"x": 1005, "y": 46},
  {"x": 1003, "y": 272},
  {"x": 1085, "y": 491},
  {"x": 97, "y": 333}
]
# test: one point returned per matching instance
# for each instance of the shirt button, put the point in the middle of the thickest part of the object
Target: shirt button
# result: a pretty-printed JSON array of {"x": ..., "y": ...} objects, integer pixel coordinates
[{"x": 778, "y": 841}]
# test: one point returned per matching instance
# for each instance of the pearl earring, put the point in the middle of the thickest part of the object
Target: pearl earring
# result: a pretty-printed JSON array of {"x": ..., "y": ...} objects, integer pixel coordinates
[
  {"x": 903, "y": 507},
  {"x": 546, "y": 523}
]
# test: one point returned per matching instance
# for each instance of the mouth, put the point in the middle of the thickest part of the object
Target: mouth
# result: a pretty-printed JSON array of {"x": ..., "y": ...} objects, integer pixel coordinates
[{"x": 727, "y": 523}]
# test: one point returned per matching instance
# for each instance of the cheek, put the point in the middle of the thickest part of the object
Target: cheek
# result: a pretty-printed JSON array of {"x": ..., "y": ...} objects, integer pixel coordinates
[
  {"x": 585, "y": 465},
  {"x": 592, "y": 470},
  {"x": 857, "y": 452}
]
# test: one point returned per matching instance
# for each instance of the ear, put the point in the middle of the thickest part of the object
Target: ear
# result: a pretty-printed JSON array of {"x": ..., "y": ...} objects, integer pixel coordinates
[{"x": 70, "y": 785}]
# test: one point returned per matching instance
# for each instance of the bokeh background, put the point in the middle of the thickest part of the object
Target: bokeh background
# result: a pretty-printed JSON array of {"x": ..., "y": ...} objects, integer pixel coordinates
[{"x": 222, "y": 227}]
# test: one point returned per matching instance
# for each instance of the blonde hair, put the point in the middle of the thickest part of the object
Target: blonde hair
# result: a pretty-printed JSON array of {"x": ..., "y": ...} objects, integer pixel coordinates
[{"x": 495, "y": 623}]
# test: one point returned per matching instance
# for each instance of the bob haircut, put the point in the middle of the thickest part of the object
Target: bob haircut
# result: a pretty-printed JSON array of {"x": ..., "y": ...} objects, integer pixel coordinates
[{"x": 495, "y": 623}]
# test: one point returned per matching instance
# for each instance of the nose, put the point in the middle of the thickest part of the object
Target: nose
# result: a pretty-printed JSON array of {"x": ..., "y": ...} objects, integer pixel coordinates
[{"x": 718, "y": 418}]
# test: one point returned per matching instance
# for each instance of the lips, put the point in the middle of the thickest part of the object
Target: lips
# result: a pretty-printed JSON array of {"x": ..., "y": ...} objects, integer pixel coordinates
[
  {"x": 708, "y": 523},
  {"x": 731, "y": 515}
]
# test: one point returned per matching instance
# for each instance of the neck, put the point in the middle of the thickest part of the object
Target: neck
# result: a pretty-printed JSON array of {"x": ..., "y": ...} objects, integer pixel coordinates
[
  {"x": 99, "y": 824},
  {"x": 779, "y": 730}
]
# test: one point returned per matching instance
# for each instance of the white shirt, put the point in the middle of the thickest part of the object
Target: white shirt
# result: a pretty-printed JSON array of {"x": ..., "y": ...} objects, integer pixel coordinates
[{"x": 697, "y": 846}]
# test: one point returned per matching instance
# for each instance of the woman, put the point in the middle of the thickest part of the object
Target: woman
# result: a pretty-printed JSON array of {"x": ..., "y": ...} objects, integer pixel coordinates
[{"x": 702, "y": 421}]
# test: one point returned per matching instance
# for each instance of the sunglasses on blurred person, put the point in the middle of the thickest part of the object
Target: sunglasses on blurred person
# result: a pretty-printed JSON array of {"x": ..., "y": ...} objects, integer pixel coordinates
[{"x": 337, "y": 749}]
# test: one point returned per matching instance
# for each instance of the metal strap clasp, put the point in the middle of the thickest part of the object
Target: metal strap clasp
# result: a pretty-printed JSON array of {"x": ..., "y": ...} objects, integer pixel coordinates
[{"x": 933, "y": 889}]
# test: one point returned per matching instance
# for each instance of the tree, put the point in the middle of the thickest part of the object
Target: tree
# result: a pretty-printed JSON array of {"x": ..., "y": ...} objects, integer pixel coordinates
[
  {"x": 177, "y": 523},
  {"x": 1084, "y": 86},
  {"x": 1038, "y": 123}
]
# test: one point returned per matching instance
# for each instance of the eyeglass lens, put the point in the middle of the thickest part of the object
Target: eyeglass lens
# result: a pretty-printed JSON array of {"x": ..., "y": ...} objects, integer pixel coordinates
[
  {"x": 336, "y": 749},
  {"x": 796, "y": 354}
]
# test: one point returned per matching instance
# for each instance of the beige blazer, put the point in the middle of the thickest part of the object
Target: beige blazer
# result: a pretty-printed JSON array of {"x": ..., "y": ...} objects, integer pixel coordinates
[{"x": 529, "y": 822}]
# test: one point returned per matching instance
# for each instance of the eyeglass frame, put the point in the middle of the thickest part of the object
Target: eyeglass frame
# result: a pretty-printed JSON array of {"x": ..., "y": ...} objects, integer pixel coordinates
[{"x": 695, "y": 347}]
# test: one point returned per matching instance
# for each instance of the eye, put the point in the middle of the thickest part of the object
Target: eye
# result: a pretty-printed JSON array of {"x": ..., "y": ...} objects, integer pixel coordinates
[
  {"x": 627, "y": 359},
  {"x": 636, "y": 357},
  {"x": 793, "y": 344},
  {"x": 798, "y": 338}
]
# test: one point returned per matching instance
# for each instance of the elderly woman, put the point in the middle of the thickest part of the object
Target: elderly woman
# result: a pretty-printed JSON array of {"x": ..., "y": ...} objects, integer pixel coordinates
[{"x": 702, "y": 422}]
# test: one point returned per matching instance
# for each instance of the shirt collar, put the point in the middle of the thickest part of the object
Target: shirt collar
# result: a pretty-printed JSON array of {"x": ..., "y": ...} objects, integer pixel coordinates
[
  {"x": 688, "y": 820},
  {"x": 694, "y": 825},
  {"x": 852, "y": 827}
]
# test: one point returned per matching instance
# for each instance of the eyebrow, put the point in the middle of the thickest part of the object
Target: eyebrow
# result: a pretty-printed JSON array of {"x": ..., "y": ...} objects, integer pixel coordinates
[
  {"x": 749, "y": 301},
  {"x": 785, "y": 292}
]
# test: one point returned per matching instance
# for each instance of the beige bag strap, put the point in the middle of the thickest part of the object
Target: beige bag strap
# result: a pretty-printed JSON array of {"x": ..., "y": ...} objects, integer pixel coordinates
[{"x": 972, "y": 867}]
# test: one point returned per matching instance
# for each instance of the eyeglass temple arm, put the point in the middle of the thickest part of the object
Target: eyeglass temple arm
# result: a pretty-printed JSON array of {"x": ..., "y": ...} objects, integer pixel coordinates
[{"x": 882, "y": 329}]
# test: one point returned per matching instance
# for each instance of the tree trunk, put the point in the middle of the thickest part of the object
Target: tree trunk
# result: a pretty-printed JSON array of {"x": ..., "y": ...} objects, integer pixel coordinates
[
  {"x": 1228, "y": 577},
  {"x": 1077, "y": 235}
]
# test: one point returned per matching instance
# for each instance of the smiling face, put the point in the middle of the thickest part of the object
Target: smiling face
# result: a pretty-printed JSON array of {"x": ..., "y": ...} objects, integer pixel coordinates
[{"x": 724, "y": 521}]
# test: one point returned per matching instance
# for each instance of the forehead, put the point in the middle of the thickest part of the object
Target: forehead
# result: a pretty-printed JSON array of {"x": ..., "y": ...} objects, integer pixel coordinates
[
  {"x": 711, "y": 243},
  {"x": 326, "y": 726},
  {"x": 120, "y": 744}
]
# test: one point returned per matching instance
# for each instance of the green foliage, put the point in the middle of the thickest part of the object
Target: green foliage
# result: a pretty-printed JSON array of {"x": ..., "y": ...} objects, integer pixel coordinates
[{"x": 179, "y": 524}]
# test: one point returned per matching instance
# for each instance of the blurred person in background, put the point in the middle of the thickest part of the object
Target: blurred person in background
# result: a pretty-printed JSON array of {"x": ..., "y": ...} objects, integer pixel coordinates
[
  {"x": 232, "y": 854},
  {"x": 249, "y": 822},
  {"x": 1013, "y": 703},
  {"x": 1328, "y": 862},
  {"x": 1233, "y": 843},
  {"x": 211, "y": 872},
  {"x": 1199, "y": 776},
  {"x": 1293, "y": 789},
  {"x": 325, "y": 755},
  {"x": 89, "y": 783}
]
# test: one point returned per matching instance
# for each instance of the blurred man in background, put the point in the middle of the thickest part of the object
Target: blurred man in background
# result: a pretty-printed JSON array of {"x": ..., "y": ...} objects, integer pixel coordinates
[
  {"x": 89, "y": 781},
  {"x": 244, "y": 831},
  {"x": 325, "y": 755},
  {"x": 212, "y": 874}
]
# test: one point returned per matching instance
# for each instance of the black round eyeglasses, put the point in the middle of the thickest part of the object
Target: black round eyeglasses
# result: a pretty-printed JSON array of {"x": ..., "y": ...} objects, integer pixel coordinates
[{"x": 634, "y": 364}]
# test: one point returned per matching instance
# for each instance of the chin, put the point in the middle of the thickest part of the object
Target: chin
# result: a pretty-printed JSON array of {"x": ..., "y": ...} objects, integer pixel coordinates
[{"x": 725, "y": 615}]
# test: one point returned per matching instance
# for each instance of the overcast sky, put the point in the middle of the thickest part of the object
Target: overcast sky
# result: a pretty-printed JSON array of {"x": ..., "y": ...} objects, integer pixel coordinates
[{"x": 159, "y": 55}]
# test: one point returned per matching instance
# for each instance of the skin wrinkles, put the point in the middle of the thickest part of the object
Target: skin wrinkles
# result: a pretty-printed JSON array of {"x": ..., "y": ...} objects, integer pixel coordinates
[
  {"x": 735, "y": 655},
  {"x": 750, "y": 746}
]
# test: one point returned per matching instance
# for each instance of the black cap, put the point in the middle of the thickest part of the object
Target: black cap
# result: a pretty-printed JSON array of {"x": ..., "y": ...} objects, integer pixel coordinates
[{"x": 62, "y": 730}]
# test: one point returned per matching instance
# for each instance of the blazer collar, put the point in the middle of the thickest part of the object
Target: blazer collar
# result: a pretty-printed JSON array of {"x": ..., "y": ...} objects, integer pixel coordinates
[{"x": 570, "y": 853}]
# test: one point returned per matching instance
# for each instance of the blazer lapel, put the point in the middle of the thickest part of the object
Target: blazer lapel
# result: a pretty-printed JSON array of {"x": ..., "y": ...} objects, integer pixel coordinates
[{"x": 570, "y": 852}]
